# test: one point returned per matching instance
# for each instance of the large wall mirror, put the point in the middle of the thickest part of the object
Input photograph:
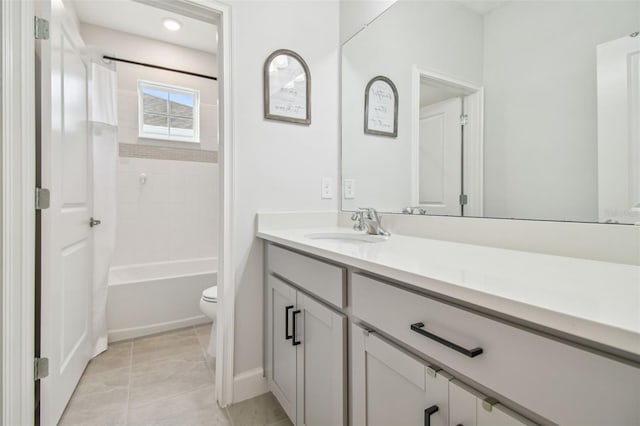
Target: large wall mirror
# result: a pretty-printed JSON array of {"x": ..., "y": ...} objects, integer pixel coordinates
[{"x": 506, "y": 109}]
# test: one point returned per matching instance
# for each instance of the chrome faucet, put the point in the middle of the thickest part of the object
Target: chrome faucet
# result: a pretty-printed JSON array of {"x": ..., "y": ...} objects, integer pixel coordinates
[
  {"x": 414, "y": 210},
  {"x": 368, "y": 220}
]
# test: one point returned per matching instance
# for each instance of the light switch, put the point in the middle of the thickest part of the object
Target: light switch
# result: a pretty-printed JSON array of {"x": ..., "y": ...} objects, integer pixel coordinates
[
  {"x": 327, "y": 188},
  {"x": 349, "y": 189}
]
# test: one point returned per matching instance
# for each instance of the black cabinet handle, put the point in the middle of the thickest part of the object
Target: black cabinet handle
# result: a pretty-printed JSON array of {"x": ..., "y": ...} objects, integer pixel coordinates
[
  {"x": 471, "y": 353},
  {"x": 427, "y": 414},
  {"x": 287, "y": 336},
  {"x": 295, "y": 342}
]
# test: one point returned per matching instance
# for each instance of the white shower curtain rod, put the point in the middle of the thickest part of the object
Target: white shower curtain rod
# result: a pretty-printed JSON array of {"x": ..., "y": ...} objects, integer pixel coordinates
[{"x": 143, "y": 64}]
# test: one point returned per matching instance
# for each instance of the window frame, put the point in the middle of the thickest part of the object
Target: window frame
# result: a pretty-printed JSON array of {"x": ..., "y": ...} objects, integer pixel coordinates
[{"x": 142, "y": 84}]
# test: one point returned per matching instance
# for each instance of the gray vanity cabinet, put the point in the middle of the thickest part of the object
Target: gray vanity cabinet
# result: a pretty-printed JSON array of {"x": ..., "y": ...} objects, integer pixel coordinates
[
  {"x": 393, "y": 388},
  {"x": 306, "y": 350},
  {"x": 283, "y": 357}
]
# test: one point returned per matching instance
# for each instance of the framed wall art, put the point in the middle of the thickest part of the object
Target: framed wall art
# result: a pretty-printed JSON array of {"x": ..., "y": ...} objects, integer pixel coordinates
[
  {"x": 287, "y": 88},
  {"x": 381, "y": 107}
]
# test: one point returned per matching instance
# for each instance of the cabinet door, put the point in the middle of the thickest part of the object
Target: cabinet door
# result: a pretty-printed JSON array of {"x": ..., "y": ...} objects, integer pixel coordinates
[
  {"x": 388, "y": 386},
  {"x": 282, "y": 356},
  {"x": 321, "y": 364},
  {"x": 499, "y": 415},
  {"x": 437, "y": 398},
  {"x": 462, "y": 404}
]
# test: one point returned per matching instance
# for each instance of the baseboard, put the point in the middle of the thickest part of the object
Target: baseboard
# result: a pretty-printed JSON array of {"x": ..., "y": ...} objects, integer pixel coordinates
[
  {"x": 249, "y": 384},
  {"x": 131, "y": 333}
]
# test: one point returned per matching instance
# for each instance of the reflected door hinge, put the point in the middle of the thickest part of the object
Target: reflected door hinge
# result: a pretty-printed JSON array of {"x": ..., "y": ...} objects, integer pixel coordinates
[
  {"x": 42, "y": 198},
  {"x": 464, "y": 119},
  {"x": 463, "y": 199},
  {"x": 40, "y": 28},
  {"x": 40, "y": 368}
]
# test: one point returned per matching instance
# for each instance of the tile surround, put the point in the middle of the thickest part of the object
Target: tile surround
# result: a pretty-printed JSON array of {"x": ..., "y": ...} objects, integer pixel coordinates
[
  {"x": 131, "y": 150},
  {"x": 164, "y": 379},
  {"x": 178, "y": 197}
]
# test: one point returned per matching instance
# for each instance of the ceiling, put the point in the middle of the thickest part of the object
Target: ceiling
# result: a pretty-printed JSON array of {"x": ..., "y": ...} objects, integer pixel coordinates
[
  {"x": 144, "y": 20},
  {"x": 483, "y": 7}
]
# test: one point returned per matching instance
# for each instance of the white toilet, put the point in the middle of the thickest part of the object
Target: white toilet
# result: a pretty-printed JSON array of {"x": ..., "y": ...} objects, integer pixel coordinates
[{"x": 209, "y": 307}]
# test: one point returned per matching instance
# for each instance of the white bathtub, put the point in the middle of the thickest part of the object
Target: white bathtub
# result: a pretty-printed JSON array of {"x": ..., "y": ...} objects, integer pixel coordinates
[{"x": 153, "y": 297}]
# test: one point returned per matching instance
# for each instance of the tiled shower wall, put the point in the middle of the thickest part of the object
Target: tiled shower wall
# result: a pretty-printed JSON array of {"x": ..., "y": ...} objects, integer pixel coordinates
[{"x": 172, "y": 216}]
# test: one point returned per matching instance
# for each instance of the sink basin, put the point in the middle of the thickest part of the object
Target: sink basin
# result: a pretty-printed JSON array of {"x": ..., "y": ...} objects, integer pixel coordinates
[{"x": 348, "y": 236}]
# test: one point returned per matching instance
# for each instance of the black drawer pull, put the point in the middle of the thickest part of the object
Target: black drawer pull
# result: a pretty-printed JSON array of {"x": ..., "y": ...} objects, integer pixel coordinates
[
  {"x": 427, "y": 414},
  {"x": 471, "y": 353},
  {"x": 295, "y": 342},
  {"x": 287, "y": 336}
]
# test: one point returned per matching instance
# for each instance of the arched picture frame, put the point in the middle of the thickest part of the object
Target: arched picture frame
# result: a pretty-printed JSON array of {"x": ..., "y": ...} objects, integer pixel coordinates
[
  {"x": 287, "y": 88},
  {"x": 381, "y": 107}
]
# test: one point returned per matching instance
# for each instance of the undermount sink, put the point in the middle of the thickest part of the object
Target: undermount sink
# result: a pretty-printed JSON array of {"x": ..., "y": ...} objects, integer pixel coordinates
[{"x": 348, "y": 236}]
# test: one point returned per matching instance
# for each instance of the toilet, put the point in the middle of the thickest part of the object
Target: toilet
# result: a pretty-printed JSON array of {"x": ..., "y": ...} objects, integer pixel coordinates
[{"x": 209, "y": 307}]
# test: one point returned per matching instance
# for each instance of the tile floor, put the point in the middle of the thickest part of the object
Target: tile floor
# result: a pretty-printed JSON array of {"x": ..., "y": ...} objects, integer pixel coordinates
[{"x": 165, "y": 379}]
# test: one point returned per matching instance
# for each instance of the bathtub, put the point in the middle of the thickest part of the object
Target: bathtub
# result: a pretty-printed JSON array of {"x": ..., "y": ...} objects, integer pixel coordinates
[{"x": 153, "y": 297}]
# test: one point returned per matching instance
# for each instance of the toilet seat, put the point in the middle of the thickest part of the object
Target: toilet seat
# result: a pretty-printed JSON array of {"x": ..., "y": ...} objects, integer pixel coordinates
[{"x": 210, "y": 294}]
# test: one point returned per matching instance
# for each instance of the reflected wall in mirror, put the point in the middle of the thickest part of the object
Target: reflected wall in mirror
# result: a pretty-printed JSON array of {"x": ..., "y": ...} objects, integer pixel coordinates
[{"x": 508, "y": 109}]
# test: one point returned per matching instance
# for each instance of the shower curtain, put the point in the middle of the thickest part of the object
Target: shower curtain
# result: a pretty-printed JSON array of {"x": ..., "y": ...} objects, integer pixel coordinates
[{"x": 103, "y": 122}]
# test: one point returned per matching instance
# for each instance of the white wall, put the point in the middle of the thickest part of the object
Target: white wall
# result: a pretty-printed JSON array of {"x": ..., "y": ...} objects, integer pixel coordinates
[
  {"x": 540, "y": 105},
  {"x": 174, "y": 215},
  {"x": 279, "y": 166},
  {"x": 356, "y": 14},
  {"x": 141, "y": 49},
  {"x": 440, "y": 36}
]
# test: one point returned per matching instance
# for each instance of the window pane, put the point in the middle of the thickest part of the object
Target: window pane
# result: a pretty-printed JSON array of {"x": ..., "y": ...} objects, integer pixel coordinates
[
  {"x": 182, "y": 128},
  {"x": 156, "y": 125},
  {"x": 181, "y": 123},
  {"x": 181, "y": 104},
  {"x": 154, "y": 100}
]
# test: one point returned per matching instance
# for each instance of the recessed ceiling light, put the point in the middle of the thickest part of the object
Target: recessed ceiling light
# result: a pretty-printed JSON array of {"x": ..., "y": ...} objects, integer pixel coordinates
[{"x": 171, "y": 24}]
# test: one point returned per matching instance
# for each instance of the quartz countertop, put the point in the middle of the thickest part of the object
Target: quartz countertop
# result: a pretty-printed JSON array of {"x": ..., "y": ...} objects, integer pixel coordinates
[{"x": 592, "y": 300}]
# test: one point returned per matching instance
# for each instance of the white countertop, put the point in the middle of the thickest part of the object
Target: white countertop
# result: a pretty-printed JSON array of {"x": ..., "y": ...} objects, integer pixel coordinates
[{"x": 597, "y": 301}]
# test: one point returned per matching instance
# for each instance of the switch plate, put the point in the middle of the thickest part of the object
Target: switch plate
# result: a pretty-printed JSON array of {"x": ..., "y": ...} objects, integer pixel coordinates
[
  {"x": 349, "y": 189},
  {"x": 327, "y": 188}
]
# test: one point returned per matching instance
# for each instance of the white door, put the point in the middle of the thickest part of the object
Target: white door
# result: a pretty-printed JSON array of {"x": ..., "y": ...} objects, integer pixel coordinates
[
  {"x": 619, "y": 130},
  {"x": 389, "y": 386},
  {"x": 440, "y": 158},
  {"x": 282, "y": 305},
  {"x": 66, "y": 244},
  {"x": 321, "y": 364}
]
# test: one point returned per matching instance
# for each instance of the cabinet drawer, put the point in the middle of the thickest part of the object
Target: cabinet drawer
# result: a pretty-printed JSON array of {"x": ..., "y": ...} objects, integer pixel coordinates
[
  {"x": 565, "y": 384},
  {"x": 321, "y": 279}
]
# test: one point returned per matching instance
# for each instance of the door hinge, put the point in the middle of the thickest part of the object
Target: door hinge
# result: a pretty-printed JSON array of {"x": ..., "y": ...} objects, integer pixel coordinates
[
  {"x": 464, "y": 119},
  {"x": 40, "y": 368},
  {"x": 42, "y": 198},
  {"x": 463, "y": 199},
  {"x": 41, "y": 28}
]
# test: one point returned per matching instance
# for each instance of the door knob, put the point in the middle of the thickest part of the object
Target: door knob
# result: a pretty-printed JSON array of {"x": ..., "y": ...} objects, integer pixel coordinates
[{"x": 94, "y": 222}]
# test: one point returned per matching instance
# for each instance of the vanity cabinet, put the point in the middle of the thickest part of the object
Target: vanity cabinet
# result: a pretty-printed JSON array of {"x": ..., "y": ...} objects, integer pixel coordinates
[
  {"x": 394, "y": 328},
  {"x": 561, "y": 382},
  {"x": 390, "y": 387},
  {"x": 306, "y": 345}
]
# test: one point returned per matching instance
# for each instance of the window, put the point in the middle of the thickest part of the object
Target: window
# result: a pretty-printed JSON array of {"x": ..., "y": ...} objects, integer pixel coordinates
[{"x": 168, "y": 112}]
